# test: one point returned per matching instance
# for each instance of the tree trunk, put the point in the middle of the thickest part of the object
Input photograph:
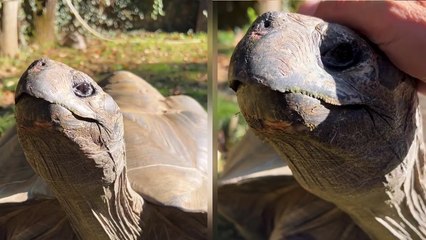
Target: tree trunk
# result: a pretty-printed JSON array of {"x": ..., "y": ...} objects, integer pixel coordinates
[
  {"x": 9, "y": 34},
  {"x": 44, "y": 22},
  {"x": 201, "y": 24}
]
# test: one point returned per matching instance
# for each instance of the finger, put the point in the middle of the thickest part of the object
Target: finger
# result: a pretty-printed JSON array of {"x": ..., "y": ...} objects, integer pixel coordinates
[
  {"x": 421, "y": 87},
  {"x": 398, "y": 28}
]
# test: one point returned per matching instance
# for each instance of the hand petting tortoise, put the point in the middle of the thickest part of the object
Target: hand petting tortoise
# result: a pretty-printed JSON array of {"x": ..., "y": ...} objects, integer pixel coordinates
[
  {"x": 398, "y": 28},
  {"x": 343, "y": 118}
]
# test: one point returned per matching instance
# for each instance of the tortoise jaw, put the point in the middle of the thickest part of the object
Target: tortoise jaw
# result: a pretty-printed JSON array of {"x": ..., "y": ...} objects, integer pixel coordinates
[
  {"x": 265, "y": 109},
  {"x": 39, "y": 113},
  {"x": 42, "y": 114},
  {"x": 268, "y": 111},
  {"x": 19, "y": 96}
]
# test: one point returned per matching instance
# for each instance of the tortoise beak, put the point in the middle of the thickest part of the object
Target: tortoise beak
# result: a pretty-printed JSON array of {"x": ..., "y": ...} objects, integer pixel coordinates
[
  {"x": 35, "y": 67},
  {"x": 286, "y": 57}
]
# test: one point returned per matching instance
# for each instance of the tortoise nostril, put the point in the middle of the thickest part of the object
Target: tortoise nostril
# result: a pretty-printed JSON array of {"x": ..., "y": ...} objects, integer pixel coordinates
[
  {"x": 32, "y": 65},
  {"x": 38, "y": 63},
  {"x": 267, "y": 23}
]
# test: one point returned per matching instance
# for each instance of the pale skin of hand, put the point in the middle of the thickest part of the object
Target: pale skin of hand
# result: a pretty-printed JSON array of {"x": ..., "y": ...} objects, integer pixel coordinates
[{"x": 397, "y": 27}]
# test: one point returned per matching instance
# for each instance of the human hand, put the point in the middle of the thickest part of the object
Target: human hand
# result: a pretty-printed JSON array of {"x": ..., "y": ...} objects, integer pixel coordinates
[{"x": 397, "y": 27}]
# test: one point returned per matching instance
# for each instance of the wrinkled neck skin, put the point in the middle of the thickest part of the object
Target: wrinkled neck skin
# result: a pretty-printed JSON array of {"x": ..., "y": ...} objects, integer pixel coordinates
[
  {"x": 90, "y": 183},
  {"x": 392, "y": 206},
  {"x": 109, "y": 212},
  {"x": 399, "y": 210}
]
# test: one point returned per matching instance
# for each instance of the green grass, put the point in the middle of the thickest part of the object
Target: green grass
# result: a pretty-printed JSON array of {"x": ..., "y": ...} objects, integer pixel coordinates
[
  {"x": 226, "y": 41},
  {"x": 226, "y": 108}
]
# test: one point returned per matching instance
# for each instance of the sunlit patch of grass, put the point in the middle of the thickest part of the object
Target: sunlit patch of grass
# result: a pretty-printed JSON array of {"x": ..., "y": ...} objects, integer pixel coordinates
[{"x": 128, "y": 50}]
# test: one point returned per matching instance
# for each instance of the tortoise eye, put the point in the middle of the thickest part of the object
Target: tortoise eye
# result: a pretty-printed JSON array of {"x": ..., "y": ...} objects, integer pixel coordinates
[
  {"x": 83, "y": 89},
  {"x": 341, "y": 57}
]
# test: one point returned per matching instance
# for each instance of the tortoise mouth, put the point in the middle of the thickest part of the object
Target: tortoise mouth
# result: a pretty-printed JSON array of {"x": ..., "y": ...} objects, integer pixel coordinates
[
  {"x": 41, "y": 113},
  {"x": 328, "y": 101},
  {"x": 264, "y": 108},
  {"x": 37, "y": 113},
  {"x": 32, "y": 112}
]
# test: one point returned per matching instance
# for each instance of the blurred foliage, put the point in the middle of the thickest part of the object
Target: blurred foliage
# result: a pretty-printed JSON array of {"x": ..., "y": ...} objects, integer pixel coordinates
[
  {"x": 104, "y": 14},
  {"x": 225, "y": 42},
  {"x": 111, "y": 16},
  {"x": 251, "y": 14},
  {"x": 157, "y": 9},
  {"x": 7, "y": 118},
  {"x": 240, "y": 14}
]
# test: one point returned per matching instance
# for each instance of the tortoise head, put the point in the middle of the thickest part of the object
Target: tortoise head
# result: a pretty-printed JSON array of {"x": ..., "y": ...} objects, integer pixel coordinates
[
  {"x": 328, "y": 101},
  {"x": 70, "y": 129}
]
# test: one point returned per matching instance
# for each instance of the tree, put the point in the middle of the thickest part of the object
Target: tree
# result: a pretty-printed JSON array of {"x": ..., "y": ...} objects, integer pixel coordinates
[
  {"x": 201, "y": 24},
  {"x": 44, "y": 22},
  {"x": 9, "y": 30}
]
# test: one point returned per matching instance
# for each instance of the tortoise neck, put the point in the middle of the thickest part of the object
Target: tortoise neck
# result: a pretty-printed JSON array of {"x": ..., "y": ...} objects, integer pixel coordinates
[
  {"x": 387, "y": 202},
  {"x": 397, "y": 212},
  {"x": 90, "y": 183},
  {"x": 109, "y": 212}
]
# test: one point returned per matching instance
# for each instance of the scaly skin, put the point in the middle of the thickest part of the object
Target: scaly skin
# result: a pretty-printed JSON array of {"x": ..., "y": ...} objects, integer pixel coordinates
[{"x": 345, "y": 119}]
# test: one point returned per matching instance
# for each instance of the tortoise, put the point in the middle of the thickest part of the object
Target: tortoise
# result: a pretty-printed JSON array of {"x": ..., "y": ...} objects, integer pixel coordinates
[
  {"x": 113, "y": 162},
  {"x": 346, "y": 154}
]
